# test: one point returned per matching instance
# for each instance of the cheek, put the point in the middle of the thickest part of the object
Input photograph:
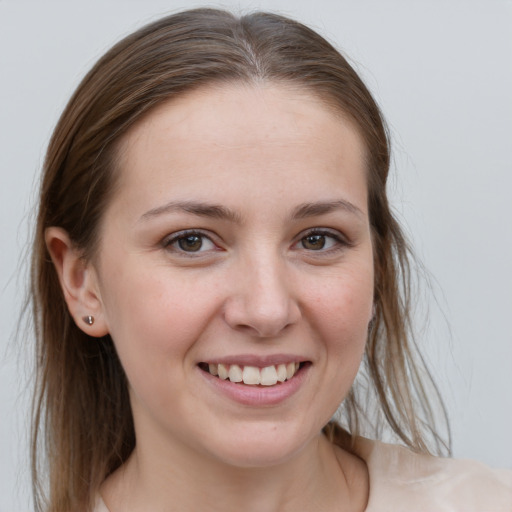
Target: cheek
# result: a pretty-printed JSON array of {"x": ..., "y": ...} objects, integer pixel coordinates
[
  {"x": 153, "y": 315},
  {"x": 343, "y": 307},
  {"x": 342, "y": 312},
  {"x": 154, "y": 326}
]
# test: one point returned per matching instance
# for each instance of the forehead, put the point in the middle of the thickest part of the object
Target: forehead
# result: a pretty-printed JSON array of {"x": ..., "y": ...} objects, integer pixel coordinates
[
  {"x": 249, "y": 134},
  {"x": 238, "y": 115}
]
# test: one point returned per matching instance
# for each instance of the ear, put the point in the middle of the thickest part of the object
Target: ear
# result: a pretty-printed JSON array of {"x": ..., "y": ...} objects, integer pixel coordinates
[{"x": 79, "y": 282}]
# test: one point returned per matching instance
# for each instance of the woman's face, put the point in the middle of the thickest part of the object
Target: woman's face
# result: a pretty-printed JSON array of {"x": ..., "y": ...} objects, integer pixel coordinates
[{"x": 237, "y": 243}]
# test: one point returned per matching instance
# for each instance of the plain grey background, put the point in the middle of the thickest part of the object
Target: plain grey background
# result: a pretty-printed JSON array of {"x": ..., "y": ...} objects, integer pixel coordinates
[{"x": 442, "y": 73}]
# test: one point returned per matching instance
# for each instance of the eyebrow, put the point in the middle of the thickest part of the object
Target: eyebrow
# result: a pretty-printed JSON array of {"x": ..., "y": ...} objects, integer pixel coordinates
[
  {"x": 217, "y": 211},
  {"x": 306, "y": 210},
  {"x": 201, "y": 209}
]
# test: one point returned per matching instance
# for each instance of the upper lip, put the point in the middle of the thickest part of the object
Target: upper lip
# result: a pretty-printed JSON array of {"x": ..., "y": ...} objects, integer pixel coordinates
[{"x": 256, "y": 360}]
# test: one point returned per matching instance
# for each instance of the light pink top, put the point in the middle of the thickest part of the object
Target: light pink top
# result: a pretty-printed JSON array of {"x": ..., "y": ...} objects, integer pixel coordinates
[{"x": 402, "y": 481}]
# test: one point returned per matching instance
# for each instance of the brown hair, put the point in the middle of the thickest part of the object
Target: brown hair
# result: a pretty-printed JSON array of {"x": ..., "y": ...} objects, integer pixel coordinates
[{"x": 82, "y": 420}]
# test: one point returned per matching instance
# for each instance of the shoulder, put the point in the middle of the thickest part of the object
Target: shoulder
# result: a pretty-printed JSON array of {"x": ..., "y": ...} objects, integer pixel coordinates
[
  {"x": 403, "y": 481},
  {"x": 100, "y": 506}
]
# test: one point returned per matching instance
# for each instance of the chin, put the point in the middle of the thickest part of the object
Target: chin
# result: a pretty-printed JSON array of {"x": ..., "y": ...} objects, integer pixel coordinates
[{"x": 261, "y": 445}]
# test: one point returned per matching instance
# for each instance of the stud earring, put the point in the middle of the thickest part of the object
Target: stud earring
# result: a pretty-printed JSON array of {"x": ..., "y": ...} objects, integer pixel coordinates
[{"x": 89, "y": 320}]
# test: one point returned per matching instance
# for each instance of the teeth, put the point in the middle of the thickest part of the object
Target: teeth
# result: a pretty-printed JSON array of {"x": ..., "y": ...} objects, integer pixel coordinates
[
  {"x": 252, "y": 375},
  {"x": 281, "y": 373},
  {"x": 268, "y": 376},
  {"x": 235, "y": 373},
  {"x": 222, "y": 371}
]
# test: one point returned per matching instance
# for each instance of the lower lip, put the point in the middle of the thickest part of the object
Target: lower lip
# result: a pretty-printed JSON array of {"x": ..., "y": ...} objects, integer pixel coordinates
[{"x": 258, "y": 395}]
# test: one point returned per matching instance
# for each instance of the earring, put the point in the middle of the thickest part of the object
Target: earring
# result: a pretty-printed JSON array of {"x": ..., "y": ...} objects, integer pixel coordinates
[{"x": 89, "y": 320}]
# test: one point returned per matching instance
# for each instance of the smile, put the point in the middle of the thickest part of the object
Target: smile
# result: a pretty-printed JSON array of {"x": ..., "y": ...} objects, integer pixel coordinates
[{"x": 252, "y": 375}]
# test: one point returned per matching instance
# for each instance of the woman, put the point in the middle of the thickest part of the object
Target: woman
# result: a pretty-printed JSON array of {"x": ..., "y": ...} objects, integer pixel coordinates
[{"x": 215, "y": 256}]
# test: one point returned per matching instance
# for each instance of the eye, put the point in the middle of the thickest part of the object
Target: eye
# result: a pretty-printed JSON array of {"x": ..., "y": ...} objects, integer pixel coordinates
[
  {"x": 189, "y": 242},
  {"x": 316, "y": 242},
  {"x": 321, "y": 240}
]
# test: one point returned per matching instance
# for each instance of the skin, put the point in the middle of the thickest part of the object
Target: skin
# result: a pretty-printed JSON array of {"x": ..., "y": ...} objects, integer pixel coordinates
[{"x": 257, "y": 286}]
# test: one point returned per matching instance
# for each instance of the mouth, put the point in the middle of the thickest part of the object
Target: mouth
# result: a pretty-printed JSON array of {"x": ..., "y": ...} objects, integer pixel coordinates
[{"x": 271, "y": 375}]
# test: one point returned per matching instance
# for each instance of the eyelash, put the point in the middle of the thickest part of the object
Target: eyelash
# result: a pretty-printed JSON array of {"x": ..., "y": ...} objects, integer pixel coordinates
[
  {"x": 339, "y": 242},
  {"x": 175, "y": 239}
]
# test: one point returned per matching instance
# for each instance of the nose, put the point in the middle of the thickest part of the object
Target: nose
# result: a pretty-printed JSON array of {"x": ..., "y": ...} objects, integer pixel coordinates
[{"x": 261, "y": 301}]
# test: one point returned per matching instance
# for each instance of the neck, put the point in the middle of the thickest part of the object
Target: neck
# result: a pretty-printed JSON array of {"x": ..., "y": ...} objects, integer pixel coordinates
[{"x": 319, "y": 477}]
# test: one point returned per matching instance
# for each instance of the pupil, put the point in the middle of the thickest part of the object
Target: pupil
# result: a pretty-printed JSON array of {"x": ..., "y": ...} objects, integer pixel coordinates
[
  {"x": 314, "y": 242},
  {"x": 190, "y": 243}
]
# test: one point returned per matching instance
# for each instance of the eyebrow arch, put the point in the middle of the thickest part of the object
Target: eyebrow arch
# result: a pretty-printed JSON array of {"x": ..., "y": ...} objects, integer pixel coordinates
[
  {"x": 196, "y": 208},
  {"x": 306, "y": 210}
]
